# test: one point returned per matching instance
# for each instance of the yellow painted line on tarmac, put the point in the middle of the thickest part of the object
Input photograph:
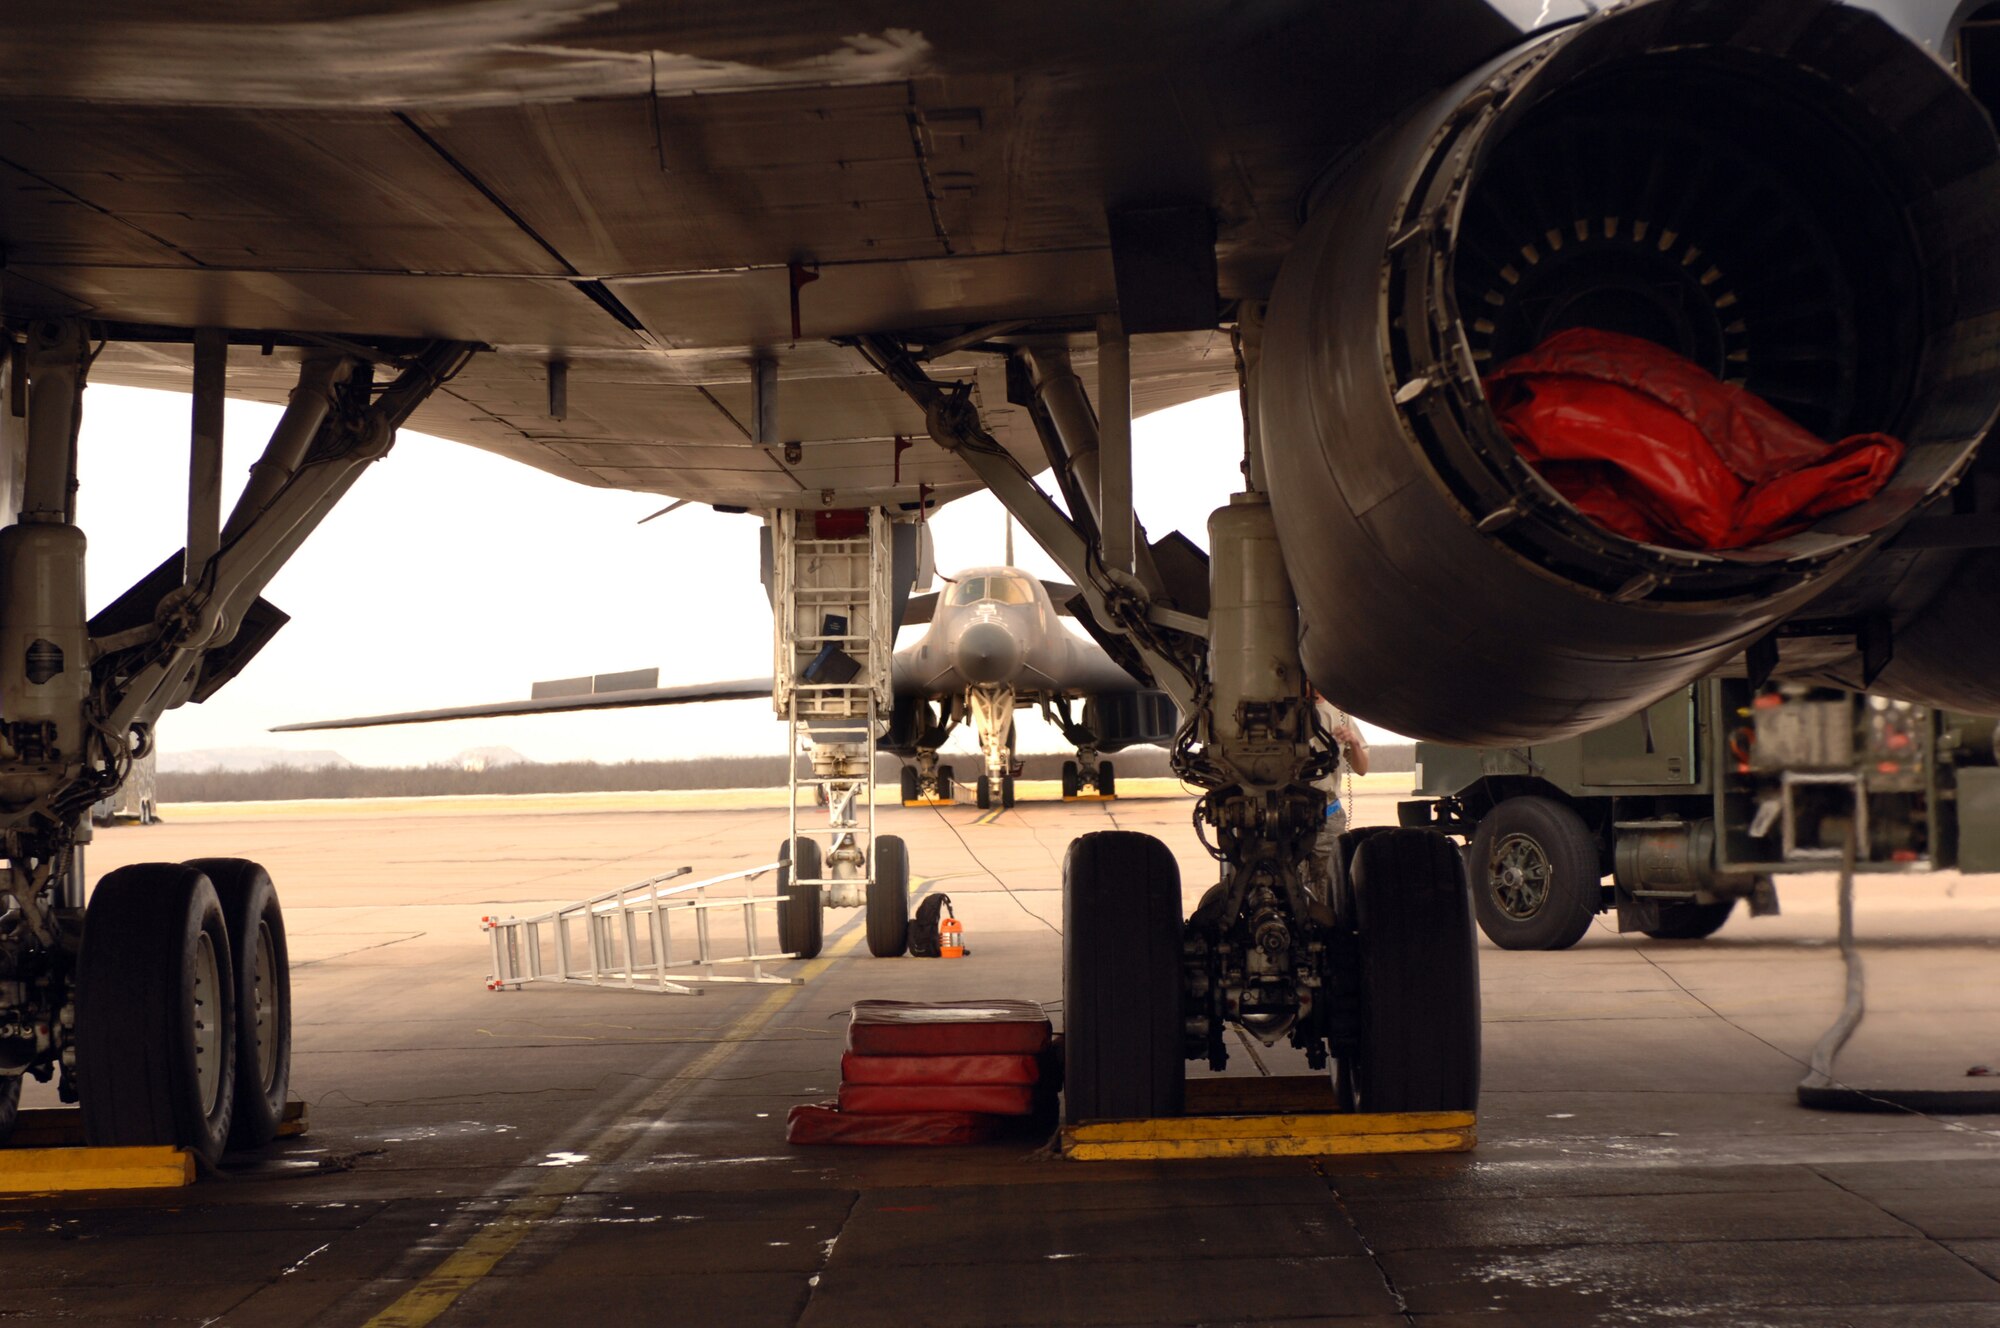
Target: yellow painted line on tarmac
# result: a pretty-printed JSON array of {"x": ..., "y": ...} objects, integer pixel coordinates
[
  {"x": 495, "y": 1240},
  {"x": 990, "y": 817}
]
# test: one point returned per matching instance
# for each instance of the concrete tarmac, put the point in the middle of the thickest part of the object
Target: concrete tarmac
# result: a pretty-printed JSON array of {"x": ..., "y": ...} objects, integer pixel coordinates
[{"x": 602, "y": 1157}]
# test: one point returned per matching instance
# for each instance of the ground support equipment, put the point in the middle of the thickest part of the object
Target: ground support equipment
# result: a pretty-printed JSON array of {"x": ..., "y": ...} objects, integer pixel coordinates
[
  {"x": 830, "y": 592},
  {"x": 1822, "y": 1090},
  {"x": 1290, "y": 1116},
  {"x": 624, "y": 939}
]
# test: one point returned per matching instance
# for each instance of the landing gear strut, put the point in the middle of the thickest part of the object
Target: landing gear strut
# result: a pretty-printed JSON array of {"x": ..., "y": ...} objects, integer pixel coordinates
[
  {"x": 1369, "y": 963},
  {"x": 165, "y": 1008}
]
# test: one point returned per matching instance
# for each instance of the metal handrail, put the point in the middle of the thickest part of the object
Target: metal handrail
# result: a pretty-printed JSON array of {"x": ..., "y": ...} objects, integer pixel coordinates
[{"x": 618, "y": 954}]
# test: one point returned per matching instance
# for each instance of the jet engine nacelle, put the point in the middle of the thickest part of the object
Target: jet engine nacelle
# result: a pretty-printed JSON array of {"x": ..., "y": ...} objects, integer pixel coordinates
[{"x": 1789, "y": 193}]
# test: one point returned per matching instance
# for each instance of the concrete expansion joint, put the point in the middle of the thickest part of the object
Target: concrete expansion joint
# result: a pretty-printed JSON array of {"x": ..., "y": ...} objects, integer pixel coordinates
[
  {"x": 1381, "y": 1270},
  {"x": 826, "y": 1258}
]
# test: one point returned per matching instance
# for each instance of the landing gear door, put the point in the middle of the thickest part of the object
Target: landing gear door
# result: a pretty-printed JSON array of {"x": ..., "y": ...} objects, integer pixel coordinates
[{"x": 1654, "y": 747}]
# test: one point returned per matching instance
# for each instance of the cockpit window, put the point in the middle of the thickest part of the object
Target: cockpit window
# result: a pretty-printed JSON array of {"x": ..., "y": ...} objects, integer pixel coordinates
[
  {"x": 999, "y": 589},
  {"x": 1009, "y": 590}
]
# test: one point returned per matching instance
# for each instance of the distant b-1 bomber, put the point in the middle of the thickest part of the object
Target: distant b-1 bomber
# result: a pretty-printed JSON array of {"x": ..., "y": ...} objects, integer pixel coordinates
[{"x": 993, "y": 645}]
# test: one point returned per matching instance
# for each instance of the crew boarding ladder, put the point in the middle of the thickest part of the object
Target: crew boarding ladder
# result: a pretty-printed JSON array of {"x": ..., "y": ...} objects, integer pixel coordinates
[{"x": 830, "y": 590}]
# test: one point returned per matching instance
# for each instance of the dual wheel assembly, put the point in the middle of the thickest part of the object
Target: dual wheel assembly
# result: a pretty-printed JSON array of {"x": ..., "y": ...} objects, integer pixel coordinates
[
  {"x": 1538, "y": 879},
  {"x": 913, "y": 789},
  {"x": 183, "y": 1008},
  {"x": 802, "y": 906},
  {"x": 1073, "y": 781},
  {"x": 1415, "y": 1044},
  {"x": 991, "y": 790}
]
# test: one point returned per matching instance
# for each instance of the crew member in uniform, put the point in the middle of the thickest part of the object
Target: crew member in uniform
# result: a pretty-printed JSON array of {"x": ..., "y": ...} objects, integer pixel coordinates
[{"x": 1353, "y": 759}]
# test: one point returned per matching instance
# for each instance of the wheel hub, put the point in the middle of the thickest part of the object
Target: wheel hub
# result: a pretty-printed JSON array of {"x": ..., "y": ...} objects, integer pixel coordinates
[
  {"x": 1518, "y": 880},
  {"x": 208, "y": 1048}
]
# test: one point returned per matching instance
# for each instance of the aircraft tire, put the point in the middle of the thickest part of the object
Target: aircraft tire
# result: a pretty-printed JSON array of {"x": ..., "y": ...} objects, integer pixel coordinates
[
  {"x": 263, "y": 996},
  {"x": 156, "y": 1012},
  {"x": 1107, "y": 780},
  {"x": 1006, "y": 790},
  {"x": 985, "y": 792},
  {"x": 1122, "y": 1042},
  {"x": 10, "y": 1106},
  {"x": 889, "y": 898},
  {"x": 802, "y": 917},
  {"x": 1072, "y": 779},
  {"x": 947, "y": 783},
  {"x": 912, "y": 786},
  {"x": 1536, "y": 879},
  {"x": 1691, "y": 921},
  {"x": 1420, "y": 975}
]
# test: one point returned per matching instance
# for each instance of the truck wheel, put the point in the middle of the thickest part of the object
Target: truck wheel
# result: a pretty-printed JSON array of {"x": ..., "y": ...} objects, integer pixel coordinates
[
  {"x": 1420, "y": 976},
  {"x": 889, "y": 898},
  {"x": 1691, "y": 921},
  {"x": 1535, "y": 878},
  {"x": 1122, "y": 1036}
]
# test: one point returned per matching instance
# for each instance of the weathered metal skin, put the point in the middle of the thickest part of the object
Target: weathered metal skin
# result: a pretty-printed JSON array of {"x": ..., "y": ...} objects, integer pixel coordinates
[{"x": 1444, "y": 590}]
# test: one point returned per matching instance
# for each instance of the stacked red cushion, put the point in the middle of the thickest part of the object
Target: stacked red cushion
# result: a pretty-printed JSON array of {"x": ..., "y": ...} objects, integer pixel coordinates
[{"x": 933, "y": 1074}]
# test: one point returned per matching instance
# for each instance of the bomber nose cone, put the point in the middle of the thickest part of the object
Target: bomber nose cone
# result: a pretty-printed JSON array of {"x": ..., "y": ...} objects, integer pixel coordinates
[{"x": 988, "y": 652}]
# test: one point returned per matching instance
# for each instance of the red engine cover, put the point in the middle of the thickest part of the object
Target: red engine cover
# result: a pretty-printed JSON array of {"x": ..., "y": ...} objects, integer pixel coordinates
[{"x": 1652, "y": 447}]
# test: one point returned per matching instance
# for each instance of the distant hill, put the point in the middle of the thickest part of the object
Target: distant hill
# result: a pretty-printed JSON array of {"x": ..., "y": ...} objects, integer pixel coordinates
[
  {"x": 209, "y": 759},
  {"x": 488, "y": 758}
]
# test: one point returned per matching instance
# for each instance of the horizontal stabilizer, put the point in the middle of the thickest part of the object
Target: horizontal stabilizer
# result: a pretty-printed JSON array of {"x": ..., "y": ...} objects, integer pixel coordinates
[{"x": 742, "y": 689}]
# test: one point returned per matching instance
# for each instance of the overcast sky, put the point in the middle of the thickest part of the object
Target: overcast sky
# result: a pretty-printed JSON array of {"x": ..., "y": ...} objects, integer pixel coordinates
[{"x": 451, "y": 576}]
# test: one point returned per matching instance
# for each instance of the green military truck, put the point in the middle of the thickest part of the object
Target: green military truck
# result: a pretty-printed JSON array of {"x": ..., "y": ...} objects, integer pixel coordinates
[{"x": 1705, "y": 798}]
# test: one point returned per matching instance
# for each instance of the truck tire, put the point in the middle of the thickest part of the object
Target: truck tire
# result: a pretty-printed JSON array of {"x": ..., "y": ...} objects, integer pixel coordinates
[
  {"x": 1535, "y": 875},
  {"x": 1691, "y": 921}
]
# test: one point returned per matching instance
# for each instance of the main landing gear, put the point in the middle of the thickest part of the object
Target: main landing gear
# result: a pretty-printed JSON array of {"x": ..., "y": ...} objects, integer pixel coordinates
[
  {"x": 1367, "y": 965},
  {"x": 164, "y": 1007}
]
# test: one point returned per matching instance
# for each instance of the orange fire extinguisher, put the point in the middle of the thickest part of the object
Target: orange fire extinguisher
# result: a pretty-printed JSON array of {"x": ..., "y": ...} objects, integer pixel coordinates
[{"x": 951, "y": 936}]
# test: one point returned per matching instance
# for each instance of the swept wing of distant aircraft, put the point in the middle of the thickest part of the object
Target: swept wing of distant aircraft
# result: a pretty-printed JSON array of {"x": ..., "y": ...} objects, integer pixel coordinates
[
  {"x": 799, "y": 258},
  {"x": 992, "y": 644}
]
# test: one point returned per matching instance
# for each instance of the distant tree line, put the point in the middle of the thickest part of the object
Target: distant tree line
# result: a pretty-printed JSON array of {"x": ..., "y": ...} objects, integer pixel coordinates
[{"x": 284, "y": 783}]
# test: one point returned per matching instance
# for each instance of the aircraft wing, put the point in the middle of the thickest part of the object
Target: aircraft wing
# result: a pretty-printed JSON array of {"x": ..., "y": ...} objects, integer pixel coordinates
[
  {"x": 624, "y": 203},
  {"x": 743, "y": 689}
]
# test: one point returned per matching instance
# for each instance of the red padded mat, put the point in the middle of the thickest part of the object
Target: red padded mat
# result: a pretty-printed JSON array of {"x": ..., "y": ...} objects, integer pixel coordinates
[
  {"x": 822, "y": 1123},
  {"x": 895, "y": 1099},
  {"x": 855, "y": 1069},
  {"x": 964, "y": 1028}
]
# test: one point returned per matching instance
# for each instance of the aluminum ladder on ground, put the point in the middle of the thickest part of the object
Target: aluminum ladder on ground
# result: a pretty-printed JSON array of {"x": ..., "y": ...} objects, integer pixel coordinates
[
  {"x": 830, "y": 602},
  {"x": 625, "y": 938}
]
